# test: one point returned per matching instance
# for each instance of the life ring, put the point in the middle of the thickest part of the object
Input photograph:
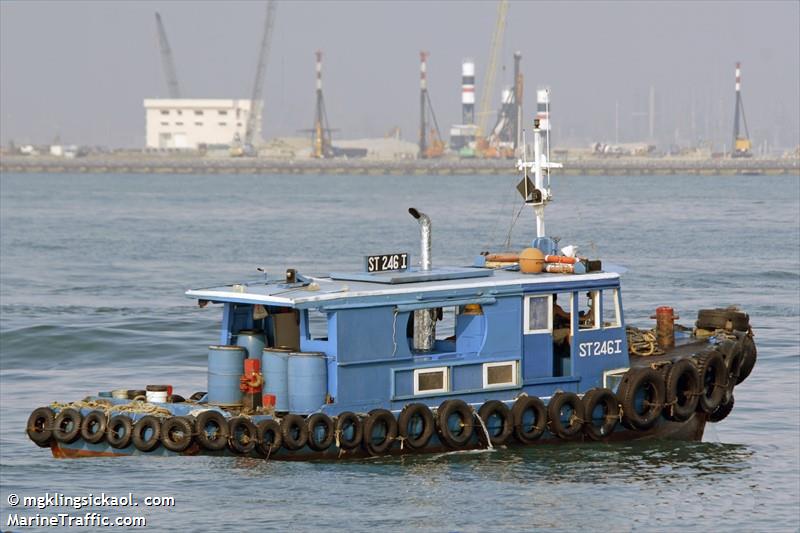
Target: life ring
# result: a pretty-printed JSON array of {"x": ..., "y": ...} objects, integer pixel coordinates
[
  {"x": 268, "y": 437},
  {"x": 142, "y": 440},
  {"x": 321, "y": 432},
  {"x": 749, "y": 356},
  {"x": 380, "y": 431},
  {"x": 294, "y": 432},
  {"x": 641, "y": 394},
  {"x": 682, "y": 390},
  {"x": 176, "y": 433},
  {"x": 722, "y": 411},
  {"x": 93, "y": 427},
  {"x": 416, "y": 425},
  {"x": 601, "y": 413},
  {"x": 530, "y": 418},
  {"x": 565, "y": 415},
  {"x": 242, "y": 435},
  {"x": 498, "y": 422},
  {"x": 67, "y": 425},
  {"x": 40, "y": 426},
  {"x": 118, "y": 431},
  {"x": 349, "y": 430},
  {"x": 713, "y": 380},
  {"x": 454, "y": 421},
  {"x": 212, "y": 430}
]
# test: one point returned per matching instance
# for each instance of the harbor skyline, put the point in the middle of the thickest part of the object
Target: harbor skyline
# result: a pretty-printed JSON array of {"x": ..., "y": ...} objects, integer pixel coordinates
[{"x": 79, "y": 72}]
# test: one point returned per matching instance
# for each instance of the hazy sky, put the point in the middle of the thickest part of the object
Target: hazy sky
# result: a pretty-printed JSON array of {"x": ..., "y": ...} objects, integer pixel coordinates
[{"x": 81, "y": 69}]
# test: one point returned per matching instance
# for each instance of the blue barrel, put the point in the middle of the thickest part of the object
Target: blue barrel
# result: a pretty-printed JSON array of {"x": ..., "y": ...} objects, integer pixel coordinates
[
  {"x": 225, "y": 368},
  {"x": 308, "y": 381},
  {"x": 275, "y": 367},
  {"x": 251, "y": 340}
]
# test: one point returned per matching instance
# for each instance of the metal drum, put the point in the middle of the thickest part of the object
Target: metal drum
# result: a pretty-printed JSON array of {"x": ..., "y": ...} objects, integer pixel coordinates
[
  {"x": 308, "y": 381},
  {"x": 275, "y": 367},
  {"x": 251, "y": 340},
  {"x": 225, "y": 368}
]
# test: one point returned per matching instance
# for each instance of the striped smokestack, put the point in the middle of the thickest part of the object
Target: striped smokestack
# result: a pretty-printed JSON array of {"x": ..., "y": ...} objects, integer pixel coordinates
[{"x": 468, "y": 91}]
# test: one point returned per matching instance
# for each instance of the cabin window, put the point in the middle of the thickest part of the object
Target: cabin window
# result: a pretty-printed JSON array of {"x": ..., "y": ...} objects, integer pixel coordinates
[
  {"x": 317, "y": 325},
  {"x": 589, "y": 310},
  {"x": 538, "y": 318},
  {"x": 499, "y": 374},
  {"x": 428, "y": 380},
  {"x": 611, "y": 311},
  {"x": 446, "y": 323}
]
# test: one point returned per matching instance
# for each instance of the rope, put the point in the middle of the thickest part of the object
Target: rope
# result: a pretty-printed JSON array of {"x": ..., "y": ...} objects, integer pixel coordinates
[{"x": 642, "y": 342}]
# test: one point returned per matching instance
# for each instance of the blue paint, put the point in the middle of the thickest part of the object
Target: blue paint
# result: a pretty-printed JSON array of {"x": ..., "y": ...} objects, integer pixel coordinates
[
  {"x": 252, "y": 341},
  {"x": 275, "y": 367},
  {"x": 308, "y": 381},
  {"x": 225, "y": 368}
]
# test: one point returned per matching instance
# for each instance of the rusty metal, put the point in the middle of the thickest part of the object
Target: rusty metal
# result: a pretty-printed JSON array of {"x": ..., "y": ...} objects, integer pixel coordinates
[{"x": 665, "y": 326}]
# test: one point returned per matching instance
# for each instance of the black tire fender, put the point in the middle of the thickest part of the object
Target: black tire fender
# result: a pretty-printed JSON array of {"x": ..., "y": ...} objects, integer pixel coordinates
[
  {"x": 495, "y": 408},
  {"x": 142, "y": 442},
  {"x": 713, "y": 380},
  {"x": 67, "y": 425},
  {"x": 379, "y": 418},
  {"x": 118, "y": 431},
  {"x": 722, "y": 411},
  {"x": 650, "y": 384},
  {"x": 212, "y": 430},
  {"x": 268, "y": 437},
  {"x": 749, "y": 356},
  {"x": 458, "y": 438},
  {"x": 176, "y": 433},
  {"x": 242, "y": 435},
  {"x": 349, "y": 430},
  {"x": 681, "y": 390},
  {"x": 294, "y": 432},
  {"x": 524, "y": 432},
  {"x": 607, "y": 402},
  {"x": 409, "y": 422},
  {"x": 40, "y": 426},
  {"x": 93, "y": 427},
  {"x": 572, "y": 427},
  {"x": 316, "y": 421}
]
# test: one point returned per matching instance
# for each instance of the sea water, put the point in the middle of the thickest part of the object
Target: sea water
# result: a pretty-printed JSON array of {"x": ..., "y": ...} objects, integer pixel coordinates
[{"x": 93, "y": 270}]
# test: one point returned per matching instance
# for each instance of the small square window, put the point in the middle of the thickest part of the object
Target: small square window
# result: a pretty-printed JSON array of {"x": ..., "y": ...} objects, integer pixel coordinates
[
  {"x": 198, "y": 123},
  {"x": 223, "y": 123},
  {"x": 179, "y": 123},
  {"x": 165, "y": 123},
  {"x": 198, "y": 112},
  {"x": 499, "y": 374},
  {"x": 223, "y": 112},
  {"x": 428, "y": 380},
  {"x": 538, "y": 314},
  {"x": 165, "y": 111}
]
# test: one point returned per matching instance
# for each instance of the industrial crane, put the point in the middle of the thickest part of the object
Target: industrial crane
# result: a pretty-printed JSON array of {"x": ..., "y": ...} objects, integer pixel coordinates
[
  {"x": 244, "y": 147},
  {"x": 482, "y": 147},
  {"x": 166, "y": 60},
  {"x": 430, "y": 143}
]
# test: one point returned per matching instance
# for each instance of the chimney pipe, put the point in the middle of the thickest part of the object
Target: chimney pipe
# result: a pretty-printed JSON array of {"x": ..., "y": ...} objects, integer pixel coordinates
[
  {"x": 425, "y": 230},
  {"x": 424, "y": 319}
]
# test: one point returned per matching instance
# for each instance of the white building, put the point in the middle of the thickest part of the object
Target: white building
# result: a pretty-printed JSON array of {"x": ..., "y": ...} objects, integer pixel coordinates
[{"x": 187, "y": 122}]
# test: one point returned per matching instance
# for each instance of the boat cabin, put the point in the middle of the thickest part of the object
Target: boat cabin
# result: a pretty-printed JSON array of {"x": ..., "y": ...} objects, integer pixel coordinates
[{"x": 391, "y": 338}]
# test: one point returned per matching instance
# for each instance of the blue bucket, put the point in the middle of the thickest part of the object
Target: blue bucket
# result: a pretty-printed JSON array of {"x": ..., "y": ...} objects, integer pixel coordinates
[
  {"x": 275, "y": 367},
  {"x": 225, "y": 368},
  {"x": 251, "y": 340},
  {"x": 308, "y": 381}
]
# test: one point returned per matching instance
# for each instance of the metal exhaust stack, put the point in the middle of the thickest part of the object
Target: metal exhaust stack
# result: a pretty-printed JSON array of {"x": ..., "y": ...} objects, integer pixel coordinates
[{"x": 424, "y": 321}]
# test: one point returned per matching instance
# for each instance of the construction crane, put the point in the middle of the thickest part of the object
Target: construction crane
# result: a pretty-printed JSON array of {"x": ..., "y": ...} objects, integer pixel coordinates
[
  {"x": 244, "y": 147},
  {"x": 435, "y": 146},
  {"x": 489, "y": 78},
  {"x": 741, "y": 144},
  {"x": 166, "y": 60}
]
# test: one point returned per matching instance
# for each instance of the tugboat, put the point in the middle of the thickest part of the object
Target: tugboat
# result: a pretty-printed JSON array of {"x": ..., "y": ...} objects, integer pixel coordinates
[{"x": 515, "y": 349}]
